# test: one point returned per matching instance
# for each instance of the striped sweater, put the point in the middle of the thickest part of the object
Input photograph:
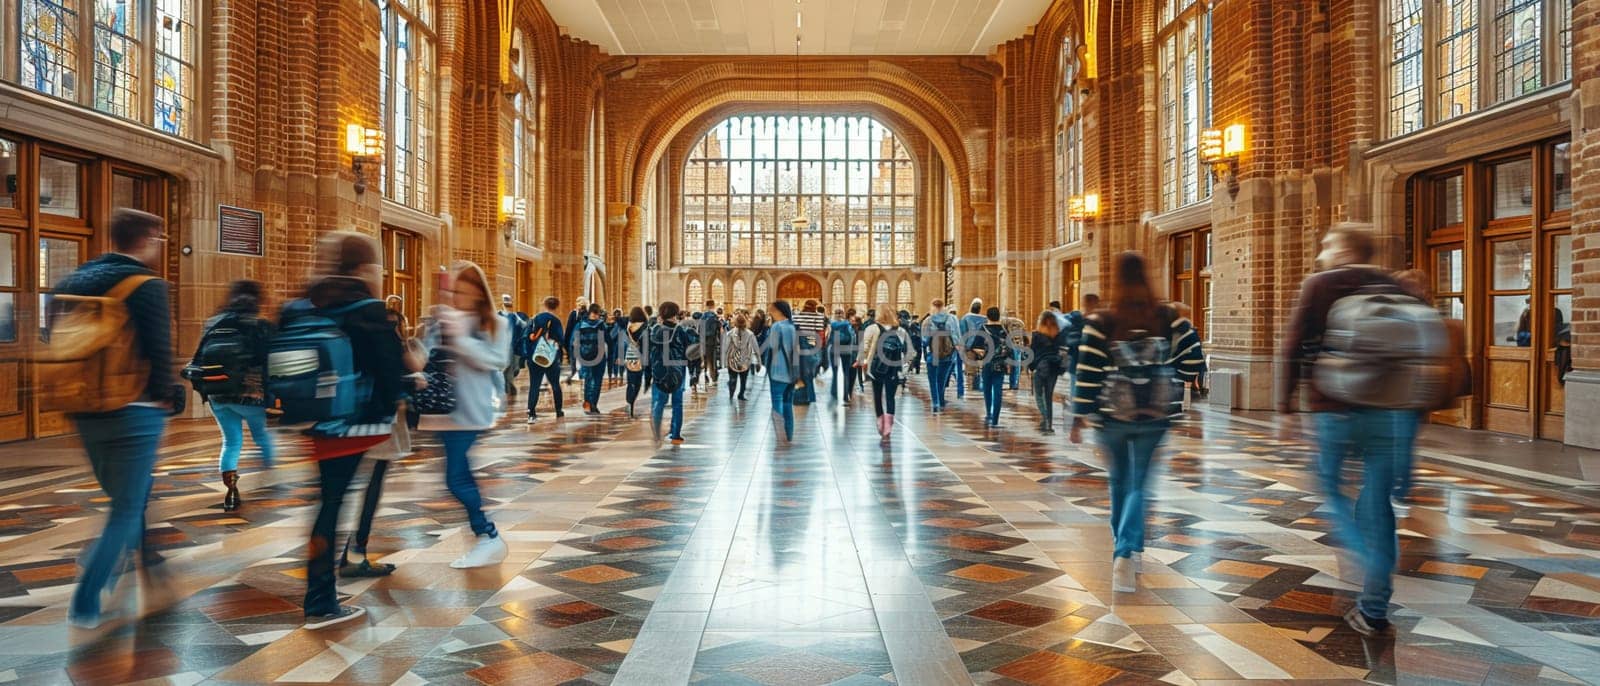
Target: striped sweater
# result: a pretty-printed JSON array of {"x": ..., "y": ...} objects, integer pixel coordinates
[{"x": 1095, "y": 362}]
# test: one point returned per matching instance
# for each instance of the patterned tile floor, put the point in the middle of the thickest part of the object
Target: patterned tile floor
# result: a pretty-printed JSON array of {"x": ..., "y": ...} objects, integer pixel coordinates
[{"x": 956, "y": 555}]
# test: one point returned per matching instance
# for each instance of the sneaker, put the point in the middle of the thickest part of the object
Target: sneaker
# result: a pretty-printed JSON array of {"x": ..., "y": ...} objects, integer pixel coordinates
[
  {"x": 560, "y": 414},
  {"x": 344, "y": 614},
  {"x": 1401, "y": 508},
  {"x": 1364, "y": 625},
  {"x": 490, "y": 550},
  {"x": 677, "y": 441},
  {"x": 365, "y": 569},
  {"x": 532, "y": 418},
  {"x": 1124, "y": 575}
]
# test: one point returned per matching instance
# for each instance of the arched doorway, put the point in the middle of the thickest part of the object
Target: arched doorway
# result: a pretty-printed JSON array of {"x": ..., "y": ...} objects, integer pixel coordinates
[{"x": 797, "y": 288}]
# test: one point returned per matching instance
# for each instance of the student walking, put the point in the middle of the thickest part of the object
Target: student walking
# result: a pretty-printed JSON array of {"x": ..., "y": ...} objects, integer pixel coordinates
[
  {"x": 119, "y": 417},
  {"x": 885, "y": 347},
  {"x": 633, "y": 355},
  {"x": 810, "y": 326},
  {"x": 477, "y": 342},
  {"x": 668, "y": 359},
  {"x": 991, "y": 351},
  {"x": 228, "y": 370},
  {"x": 739, "y": 353},
  {"x": 514, "y": 321},
  {"x": 1045, "y": 363},
  {"x": 1132, "y": 365},
  {"x": 941, "y": 336},
  {"x": 589, "y": 344},
  {"x": 711, "y": 341},
  {"x": 972, "y": 323},
  {"x": 547, "y": 341},
  {"x": 781, "y": 357},
  {"x": 842, "y": 356}
]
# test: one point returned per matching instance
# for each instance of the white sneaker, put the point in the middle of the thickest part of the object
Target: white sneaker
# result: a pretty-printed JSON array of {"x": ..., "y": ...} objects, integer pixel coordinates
[
  {"x": 490, "y": 550},
  {"x": 1124, "y": 575}
]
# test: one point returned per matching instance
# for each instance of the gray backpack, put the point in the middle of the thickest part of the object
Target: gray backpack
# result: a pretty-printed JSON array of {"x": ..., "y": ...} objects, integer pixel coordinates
[
  {"x": 1142, "y": 385},
  {"x": 1384, "y": 349}
]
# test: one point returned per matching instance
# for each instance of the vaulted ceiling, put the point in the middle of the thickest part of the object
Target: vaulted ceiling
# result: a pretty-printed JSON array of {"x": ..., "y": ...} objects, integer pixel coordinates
[{"x": 767, "y": 27}]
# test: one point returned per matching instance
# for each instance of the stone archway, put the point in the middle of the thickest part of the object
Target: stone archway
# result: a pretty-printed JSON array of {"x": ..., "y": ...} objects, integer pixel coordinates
[{"x": 798, "y": 288}]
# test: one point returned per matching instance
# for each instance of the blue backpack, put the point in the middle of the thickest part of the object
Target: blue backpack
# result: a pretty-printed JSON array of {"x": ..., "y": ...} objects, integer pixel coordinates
[
  {"x": 843, "y": 334},
  {"x": 589, "y": 343},
  {"x": 311, "y": 367}
]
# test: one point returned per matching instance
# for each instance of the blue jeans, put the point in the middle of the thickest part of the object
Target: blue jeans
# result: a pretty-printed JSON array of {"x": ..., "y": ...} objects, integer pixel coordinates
[
  {"x": 939, "y": 377},
  {"x": 994, "y": 383},
  {"x": 1016, "y": 369},
  {"x": 122, "y": 451},
  {"x": 1129, "y": 447},
  {"x": 1382, "y": 440},
  {"x": 232, "y": 418},
  {"x": 658, "y": 403},
  {"x": 458, "y": 478},
  {"x": 961, "y": 376},
  {"x": 592, "y": 378},
  {"x": 783, "y": 405}
]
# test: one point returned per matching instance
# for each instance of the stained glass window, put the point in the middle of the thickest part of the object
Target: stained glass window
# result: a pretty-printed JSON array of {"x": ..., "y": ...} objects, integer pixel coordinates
[
  {"x": 1405, "y": 66},
  {"x": 49, "y": 47},
  {"x": 116, "y": 57},
  {"x": 177, "y": 45},
  {"x": 1184, "y": 83},
  {"x": 749, "y": 177},
  {"x": 1069, "y": 149},
  {"x": 903, "y": 297}
]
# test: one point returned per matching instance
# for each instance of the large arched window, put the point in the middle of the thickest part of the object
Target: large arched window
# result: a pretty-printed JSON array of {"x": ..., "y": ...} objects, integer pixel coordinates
[
  {"x": 521, "y": 164},
  {"x": 407, "y": 92},
  {"x": 761, "y": 295},
  {"x": 903, "y": 297},
  {"x": 719, "y": 294},
  {"x": 1183, "y": 37},
  {"x": 880, "y": 294},
  {"x": 135, "y": 68},
  {"x": 694, "y": 297},
  {"x": 860, "y": 296},
  {"x": 1433, "y": 52},
  {"x": 750, "y": 176},
  {"x": 1069, "y": 149},
  {"x": 741, "y": 295}
]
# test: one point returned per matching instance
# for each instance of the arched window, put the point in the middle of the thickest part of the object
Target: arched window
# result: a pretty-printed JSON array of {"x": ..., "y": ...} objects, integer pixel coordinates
[
  {"x": 131, "y": 57},
  {"x": 838, "y": 293},
  {"x": 749, "y": 177},
  {"x": 741, "y": 295},
  {"x": 718, "y": 292},
  {"x": 860, "y": 296},
  {"x": 695, "y": 296},
  {"x": 881, "y": 294},
  {"x": 1183, "y": 68},
  {"x": 1069, "y": 149},
  {"x": 521, "y": 163},
  {"x": 762, "y": 301},
  {"x": 903, "y": 297},
  {"x": 408, "y": 101}
]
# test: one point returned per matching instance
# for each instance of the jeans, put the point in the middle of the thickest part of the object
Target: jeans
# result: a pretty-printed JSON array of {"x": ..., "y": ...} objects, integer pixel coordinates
[
  {"x": 694, "y": 373},
  {"x": 807, "y": 394},
  {"x": 232, "y": 418},
  {"x": 1129, "y": 448},
  {"x": 1044, "y": 397},
  {"x": 993, "y": 383},
  {"x": 883, "y": 396},
  {"x": 458, "y": 478},
  {"x": 783, "y": 406},
  {"x": 844, "y": 366},
  {"x": 635, "y": 380},
  {"x": 1016, "y": 369},
  {"x": 592, "y": 378},
  {"x": 738, "y": 383},
  {"x": 511, "y": 376},
  {"x": 322, "y": 593},
  {"x": 551, "y": 374},
  {"x": 1382, "y": 440},
  {"x": 960, "y": 372},
  {"x": 658, "y": 403},
  {"x": 939, "y": 376},
  {"x": 369, "y": 504},
  {"x": 122, "y": 452}
]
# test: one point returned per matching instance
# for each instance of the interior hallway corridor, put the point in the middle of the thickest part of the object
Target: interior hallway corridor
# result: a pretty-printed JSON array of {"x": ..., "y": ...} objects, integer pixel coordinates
[{"x": 955, "y": 555}]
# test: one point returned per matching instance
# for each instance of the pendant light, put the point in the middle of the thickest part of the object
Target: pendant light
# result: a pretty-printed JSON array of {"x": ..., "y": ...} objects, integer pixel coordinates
[{"x": 800, "y": 220}]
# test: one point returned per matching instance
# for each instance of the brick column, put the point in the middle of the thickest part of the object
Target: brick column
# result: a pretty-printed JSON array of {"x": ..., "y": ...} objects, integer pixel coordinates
[{"x": 1583, "y": 384}]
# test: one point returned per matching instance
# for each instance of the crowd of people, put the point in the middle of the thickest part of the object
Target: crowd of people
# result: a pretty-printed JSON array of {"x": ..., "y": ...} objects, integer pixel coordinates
[{"x": 358, "y": 378}]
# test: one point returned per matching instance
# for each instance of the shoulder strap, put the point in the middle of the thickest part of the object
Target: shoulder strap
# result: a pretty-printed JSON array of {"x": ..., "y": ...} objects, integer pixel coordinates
[{"x": 127, "y": 286}]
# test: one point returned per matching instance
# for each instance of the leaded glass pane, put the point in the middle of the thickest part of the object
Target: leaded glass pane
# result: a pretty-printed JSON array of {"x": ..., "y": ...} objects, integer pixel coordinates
[{"x": 49, "y": 47}]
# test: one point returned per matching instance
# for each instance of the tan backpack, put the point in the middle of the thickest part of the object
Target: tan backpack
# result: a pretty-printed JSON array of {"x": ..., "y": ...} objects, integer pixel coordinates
[{"x": 90, "y": 363}]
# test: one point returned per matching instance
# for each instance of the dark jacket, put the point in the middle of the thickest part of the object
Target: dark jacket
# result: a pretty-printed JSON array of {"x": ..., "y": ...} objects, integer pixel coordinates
[
  {"x": 149, "y": 310},
  {"x": 1095, "y": 361},
  {"x": 1310, "y": 320},
  {"x": 547, "y": 325},
  {"x": 246, "y": 318},
  {"x": 373, "y": 340},
  {"x": 1046, "y": 359}
]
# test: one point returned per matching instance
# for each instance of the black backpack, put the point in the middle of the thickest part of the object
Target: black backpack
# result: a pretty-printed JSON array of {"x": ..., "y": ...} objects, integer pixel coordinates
[
  {"x": 665, "y": 373},
  {"x": 230, "y": 348},
  {"x": 891, "y": 356},
  {"x": 690, "y": 340},
  {"x": 999, "y": 361},
  {"x": 589, "y": 343}
]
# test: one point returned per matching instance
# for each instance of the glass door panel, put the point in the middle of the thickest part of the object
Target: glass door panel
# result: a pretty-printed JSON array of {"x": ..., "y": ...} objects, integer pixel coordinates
[
  {"x": 58, "y": 257},
  {"x": 13, "y": 403}
]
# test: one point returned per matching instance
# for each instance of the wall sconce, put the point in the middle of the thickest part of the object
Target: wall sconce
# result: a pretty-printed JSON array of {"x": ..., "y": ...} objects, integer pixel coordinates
[
  {"x": 1081, "y": 207},
  {"x": 365, "y": 147},
  {"x": 1221, "y": 150},
  {"x": 512, "y": 211}
]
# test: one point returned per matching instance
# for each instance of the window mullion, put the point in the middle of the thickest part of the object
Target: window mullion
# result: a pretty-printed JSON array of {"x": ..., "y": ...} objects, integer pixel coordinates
[{"x": 147, "y": 66}]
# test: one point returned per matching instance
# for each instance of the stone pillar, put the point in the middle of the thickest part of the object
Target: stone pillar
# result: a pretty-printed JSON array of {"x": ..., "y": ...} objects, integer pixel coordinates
[{"x": 1583, "y": 383}]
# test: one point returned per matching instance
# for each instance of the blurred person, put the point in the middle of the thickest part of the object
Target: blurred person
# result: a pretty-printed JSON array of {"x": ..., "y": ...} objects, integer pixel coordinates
[
  {"x": 941, "y": 335},
  {"x": 228, "y": 370},
  {"x": 781, "y": 357},
  {"x": 668, "y": 358},
  {"x": 578, "y": 313},
  {"x": 739, "y": 354},
  {"x": 514, "y": 322},
  {"x": 842, "y": 355},
  {"x": 885, "y": 348},
  {"x": 633, "y": 354},
  {"x": 478, "y": 342},
  {"x": 1020, "y": 340},
  {"x": 546, "y": 327},
  {"x": 972, "y": 325},
  {"x": 711, "y": 340},
  {"x": 589, "y": 344},
  {"x": 1132, "y": 365},
  {"x": 810, "y": 326},
  {"x": 616, "y": 344},
  {"x": 695, "y": 352},
  {"x": 1045, "y": 363},
  {"x": 993, "y": 364}
]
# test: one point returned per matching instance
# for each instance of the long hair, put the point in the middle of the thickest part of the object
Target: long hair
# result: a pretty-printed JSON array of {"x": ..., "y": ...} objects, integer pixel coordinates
[
  {"x": 784, "y": 308},
  {"x": 472, "y": 275},
  {"x": 1133, "y": 302}
]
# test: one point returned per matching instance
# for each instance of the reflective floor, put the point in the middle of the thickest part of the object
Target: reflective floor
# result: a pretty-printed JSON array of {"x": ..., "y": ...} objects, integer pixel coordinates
[{"x": 955, "y": 555}]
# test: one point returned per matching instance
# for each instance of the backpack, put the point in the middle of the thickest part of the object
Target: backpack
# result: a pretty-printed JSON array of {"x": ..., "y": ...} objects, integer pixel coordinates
[
  {"x": 516, "y": 322},
  {"x": 977, "y": 350},
  {"x": 663, "y": 373},
  {"x": 1070, "y": 337},
  {"x": 1383, "y": 348},
  {"x": 544, "y": 351},
  {"x": 228, "y": 349},
  {"x": 941, "y": 337},
  {"x": 311, "y": 366},
  {"x": 999, "y": 361},
  {"x": 439, "y": 396},
  {"x": 630, "y": 353},
  {"x": 1141, "y": 386},
  {"x": 87, "y": 364},
  {"x": 891, "y": 355},
  {"x": 590, "y": 343},
  {"x": 693, "y": 346},
  {"x": 844, "y": 335}
]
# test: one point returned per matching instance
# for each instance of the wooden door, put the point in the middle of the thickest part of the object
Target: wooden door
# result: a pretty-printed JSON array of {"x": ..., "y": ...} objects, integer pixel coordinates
[{"x": 14, "y": 417}]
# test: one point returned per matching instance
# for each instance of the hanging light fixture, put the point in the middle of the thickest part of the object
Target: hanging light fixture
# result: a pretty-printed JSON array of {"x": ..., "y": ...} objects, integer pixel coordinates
[{"x": 800, "y": 221}]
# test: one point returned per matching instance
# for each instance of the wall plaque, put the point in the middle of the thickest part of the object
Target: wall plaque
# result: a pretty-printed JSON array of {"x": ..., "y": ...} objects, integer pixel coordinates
[{"x": 239, "y": 231}]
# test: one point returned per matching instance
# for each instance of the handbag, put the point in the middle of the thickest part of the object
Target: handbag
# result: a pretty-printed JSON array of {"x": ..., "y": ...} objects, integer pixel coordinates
[
  {"x": 439, "y": 396},
  {"x": 544, "y": 351}
]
